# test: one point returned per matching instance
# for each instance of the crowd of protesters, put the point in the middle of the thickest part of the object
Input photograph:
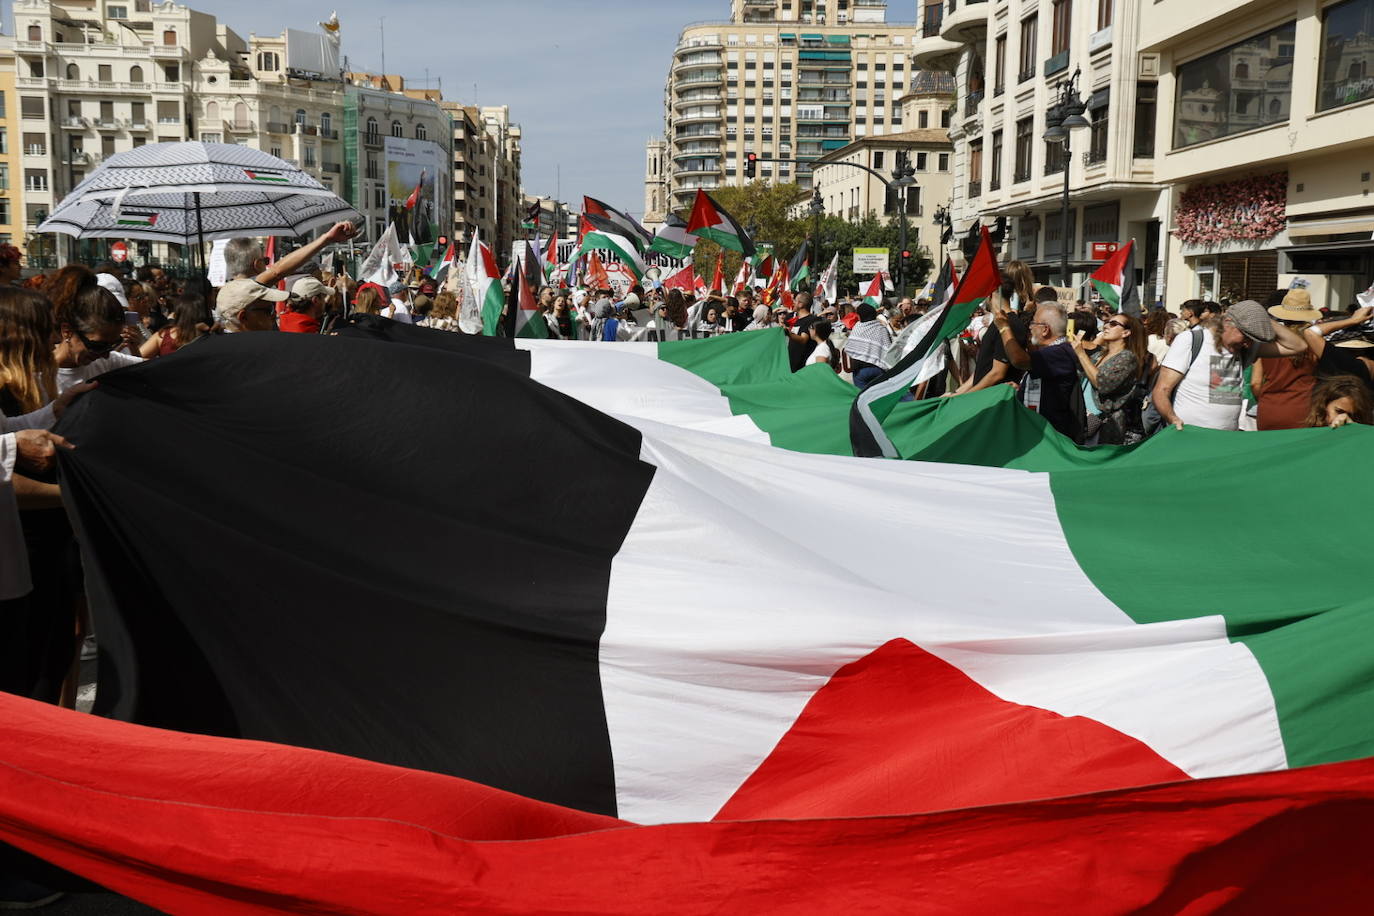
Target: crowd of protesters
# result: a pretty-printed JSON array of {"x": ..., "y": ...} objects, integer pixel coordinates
[{"x": 1095, "y": 375}]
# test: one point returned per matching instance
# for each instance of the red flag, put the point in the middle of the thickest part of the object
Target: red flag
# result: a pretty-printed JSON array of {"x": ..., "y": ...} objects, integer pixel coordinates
[
  {"x": 718, "y": 278},
  {"x": 683, "y": 280},
  {"x": 414, "y": 197},
  {"x": 596, "y": 276}
]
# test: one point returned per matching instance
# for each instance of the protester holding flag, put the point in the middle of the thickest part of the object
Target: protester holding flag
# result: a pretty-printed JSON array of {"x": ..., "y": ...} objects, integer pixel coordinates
[{"x": 865, "y": 352}]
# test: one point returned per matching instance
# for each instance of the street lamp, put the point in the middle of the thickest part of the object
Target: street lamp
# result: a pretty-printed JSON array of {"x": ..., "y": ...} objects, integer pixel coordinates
[
  {"x": 1064, "y": 117},
  {"x": 817, "y": 208},
  {"x": 942, "y": 219},
  {"x": 903, "y": 177}
]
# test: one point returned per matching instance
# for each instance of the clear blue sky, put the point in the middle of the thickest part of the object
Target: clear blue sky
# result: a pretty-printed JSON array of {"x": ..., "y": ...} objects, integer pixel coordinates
[{"x": 583, "y": 79}]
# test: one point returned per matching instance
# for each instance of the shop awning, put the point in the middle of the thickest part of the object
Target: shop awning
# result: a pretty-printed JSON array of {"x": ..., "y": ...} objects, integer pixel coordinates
[
  {"x": 838, "y": 39},
  {"x": 813, "y": 38},
  {"x": 1306, "y": 228}
]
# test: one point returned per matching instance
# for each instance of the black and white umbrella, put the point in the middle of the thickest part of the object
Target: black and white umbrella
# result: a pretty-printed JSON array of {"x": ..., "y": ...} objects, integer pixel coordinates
[{"x": 188, "y": 193}]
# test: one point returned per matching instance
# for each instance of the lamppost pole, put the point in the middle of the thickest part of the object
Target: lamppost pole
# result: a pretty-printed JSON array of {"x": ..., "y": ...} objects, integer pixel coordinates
[
  {"x": 817, "y": 208},
  {"x": 1063, "y": 118},
  {"x": 903, "y": 177}
]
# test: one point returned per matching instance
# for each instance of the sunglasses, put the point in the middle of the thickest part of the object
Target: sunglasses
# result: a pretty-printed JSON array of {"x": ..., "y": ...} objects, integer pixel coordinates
[
  {"x": 1116, "y": 324},
  {"x": 99, "y": 347}
]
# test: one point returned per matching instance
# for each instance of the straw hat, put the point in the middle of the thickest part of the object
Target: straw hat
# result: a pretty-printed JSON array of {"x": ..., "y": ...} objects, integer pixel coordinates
[{"x": 1297, "y": 306}]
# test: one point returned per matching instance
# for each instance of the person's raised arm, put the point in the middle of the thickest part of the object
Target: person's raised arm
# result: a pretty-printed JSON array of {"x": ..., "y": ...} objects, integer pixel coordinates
[
  {"x": 1286, "y": 342},
  {"x": 289, "y": 264},
  {"x": 1088, "y": 366},
  {"x": 1314, "y": 336},
  {"x": 1010, "y": 345}
]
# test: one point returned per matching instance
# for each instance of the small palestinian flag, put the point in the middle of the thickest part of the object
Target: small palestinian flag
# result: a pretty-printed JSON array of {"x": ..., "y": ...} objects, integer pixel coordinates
[
  {"x": 484, "y": 285},
  {"x": 673, "y": 239},
  {"x": 414, "y": 197},
  {"x": 710, "y": 221},
  {"x": 623, "y": 223},
  {"x": 606, "y": 239},
  {"x": 874, "y": 294},
  {"x": 1115, "y": 281},
  {"x": 137, "y": 219},
  {"x": 876, "y": 402},
  {"x": 799, "y": 268},
  {"x": 266, "y": 177},
  {"x": 529, "y": 321}
]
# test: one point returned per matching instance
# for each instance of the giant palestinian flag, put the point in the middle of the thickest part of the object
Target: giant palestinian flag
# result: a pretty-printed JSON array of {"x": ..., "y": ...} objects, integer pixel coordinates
[{"x": 654, "y": 642}]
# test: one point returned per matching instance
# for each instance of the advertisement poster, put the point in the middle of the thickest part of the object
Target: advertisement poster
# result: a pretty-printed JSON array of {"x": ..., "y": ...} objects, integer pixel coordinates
[{"x": 412, "y": 171}]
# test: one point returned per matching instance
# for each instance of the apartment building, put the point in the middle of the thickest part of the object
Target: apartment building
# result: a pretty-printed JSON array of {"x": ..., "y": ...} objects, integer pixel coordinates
[
  {"x": 1010, "y": 62},
  {"x": 1263, "y": 122},
  {"x": 853, "y": 193},
  {"x": 95, "y": 79},
  {"x": 11, "y": 190},
  {"x": 785, "y": 79},
  {"x": 508, "y": 211},
  {"x": 474, "y": 160}
]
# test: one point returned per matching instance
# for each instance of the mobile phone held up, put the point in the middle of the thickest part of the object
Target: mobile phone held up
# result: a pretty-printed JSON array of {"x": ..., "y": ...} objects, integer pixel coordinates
[{"x": 131, "y": 319}]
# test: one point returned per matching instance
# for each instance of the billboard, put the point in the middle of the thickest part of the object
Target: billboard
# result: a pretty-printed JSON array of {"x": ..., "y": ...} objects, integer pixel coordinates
[
  {"x": 412, "y": 164},
  {"x": 312, "y": 55}
]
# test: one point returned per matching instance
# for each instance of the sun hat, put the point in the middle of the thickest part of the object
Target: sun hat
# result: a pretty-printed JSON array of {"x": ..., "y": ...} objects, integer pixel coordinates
[
  {"x": 1296, "y": 306},
  {"x": 308, "y": 288}
]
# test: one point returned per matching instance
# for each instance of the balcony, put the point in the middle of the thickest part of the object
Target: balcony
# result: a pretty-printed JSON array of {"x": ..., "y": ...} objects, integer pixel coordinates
[
  {"x": 697, "y": 60},
  {"x": 698, "y": 97},
  {"x": 698, "y": 45},
  {"x": 102, "y": 86},
  {"x": 166, "y": 52},
  {"x": 700, "y": 78},
  {"x": 932, "y": 52},
  {"x": 328, "y": 133},
  {"x": 278, "y": 127},
  {"x": 71, "y": 123},
  {"x": 697, "y": 133},
  {"x": 697, "y": 150},
  {"x": 965, "y": 22},
  {"x": 33, "y": 82},
  {"x": 309, "y": 130},
  {"x": 333, "y": 168},
  {"x": 706, "y": 114},
  {"x": 240, "y": 127},
  {"x": 971, "y": 102},
  {"x": 107, "y": 124},
  {"x": 35, "y": 150},
  {"x": 697, "y": 168},
  {"x": 139, "y": 123}
]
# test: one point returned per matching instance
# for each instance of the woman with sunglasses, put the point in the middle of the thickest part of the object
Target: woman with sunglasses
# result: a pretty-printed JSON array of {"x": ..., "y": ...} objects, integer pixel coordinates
[
  {"x": 90, "y": 325},
  {"x": 1123, "y": 364}
]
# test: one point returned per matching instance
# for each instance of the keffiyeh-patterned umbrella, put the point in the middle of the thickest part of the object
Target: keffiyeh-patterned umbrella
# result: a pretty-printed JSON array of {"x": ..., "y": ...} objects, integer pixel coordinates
[{"x": 187, "y": 193}]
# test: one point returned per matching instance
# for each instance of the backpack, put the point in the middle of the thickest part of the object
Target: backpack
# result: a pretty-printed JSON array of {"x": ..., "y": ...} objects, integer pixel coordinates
[{"x": 1151, "y": 421}]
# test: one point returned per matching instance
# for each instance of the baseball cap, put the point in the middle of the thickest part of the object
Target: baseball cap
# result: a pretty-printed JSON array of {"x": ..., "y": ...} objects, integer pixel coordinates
[
  {"x": 237, "y": 295},
  {"x": 307, "y": 288}
]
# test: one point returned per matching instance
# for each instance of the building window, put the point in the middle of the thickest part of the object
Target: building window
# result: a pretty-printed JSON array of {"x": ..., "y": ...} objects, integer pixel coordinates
[
  {"x": 923, "y": 119},
  {"x": 35, "y": 179},
  {"x": 975, "y": 169},
  {"x": 135, "y": 74},
  {"x": 1097, "y": 141},
  {"x": 944, "y": 117},
  {"x": 35, "y": 33},
  {"x": 31, "y": 106},
  {"x": 1028, "y": 55},
  {"x": 268, "y": 60},
  {"x": 1063, "y": 26},
  {"x": 300, "y": 119},
  {"x": 421, "y": 133},
  {"x": 73, "y": 72},
  {"x": 275, "y": 151},
  {"x": 944, "y": 162},
  {"x": 1145, "y": 111},
  {"x": 373, "y": 132},
  {"x": 396, "y": 130},
  {"x": 1104, "y": 13},
  {"x": 1023, "y": 150},
  {"x": 169, "y": 37},
  {"x": 326, "y": 123},
  {"x": 1054, "y": 157},
  {"x": 1347, "y": 54},
  {"x": 1211, "y": 102},
  {"x": 211, "y": 110},
  {"x": 995, "y": 165},
  {"x": 877, "y": 159},
  {"x": 171, "y": 73},
  {"x": 999, "y": 65},
  {"x": 921, "y": 161}
]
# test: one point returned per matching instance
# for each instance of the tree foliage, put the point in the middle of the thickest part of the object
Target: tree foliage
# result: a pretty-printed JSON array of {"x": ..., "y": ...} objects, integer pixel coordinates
[{"x": 765, "y": 207}]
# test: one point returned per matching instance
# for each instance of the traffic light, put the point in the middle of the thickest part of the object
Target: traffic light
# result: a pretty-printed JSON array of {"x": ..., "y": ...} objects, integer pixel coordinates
[
  {"x": 906, "y": 256},
  {"x": 751, "y": 165}
]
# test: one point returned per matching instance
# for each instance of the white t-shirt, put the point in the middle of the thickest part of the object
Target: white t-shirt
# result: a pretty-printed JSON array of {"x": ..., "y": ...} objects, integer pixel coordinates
[
  {"x": 66, "y": 378},
  {"x": 1209, "y": 393},
  {"x": 822, "y": 352},
  {"x": 400, "y": 312},
  {"x": 1157, "y": 347}
]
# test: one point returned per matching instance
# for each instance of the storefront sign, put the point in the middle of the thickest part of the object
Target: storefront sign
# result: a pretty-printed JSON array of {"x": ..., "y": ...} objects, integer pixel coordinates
[{"x": 1104, "y": 250}]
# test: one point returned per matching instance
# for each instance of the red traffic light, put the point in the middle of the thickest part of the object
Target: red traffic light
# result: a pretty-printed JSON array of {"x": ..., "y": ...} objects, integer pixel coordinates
[{"x": 906, "y": 254}]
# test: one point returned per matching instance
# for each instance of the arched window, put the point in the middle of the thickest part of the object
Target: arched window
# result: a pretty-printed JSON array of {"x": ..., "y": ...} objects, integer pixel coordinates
[
  {"x": 326, "y": 122},
  {"x": 1242, "y": 71},
  {"x": 135, "y": 74},
  {"x": 421, "y": 133},
  {"x": 169, "y": 37},
  {"x": 300, "y": 117},
  {"x": 372, "y": 130},
  {"x": 212, "y": 112},
  {"x": 240, "y": 114},
  {"x": 1275, "y": 107},
  {"x": 396, "y": 129},
  {"x": 35, "y": 33},
  {"x": 73, "y": 72},
  {"x": 1354, "y": 72}
]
